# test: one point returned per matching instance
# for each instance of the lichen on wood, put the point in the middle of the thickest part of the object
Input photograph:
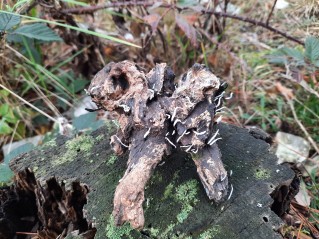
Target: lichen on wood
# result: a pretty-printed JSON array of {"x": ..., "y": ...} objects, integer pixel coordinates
[{"x": 156, "y": 117}]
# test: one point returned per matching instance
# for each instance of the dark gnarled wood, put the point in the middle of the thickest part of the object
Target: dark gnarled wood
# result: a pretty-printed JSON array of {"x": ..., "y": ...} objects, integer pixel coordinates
[{"x": 156, "y": 118}]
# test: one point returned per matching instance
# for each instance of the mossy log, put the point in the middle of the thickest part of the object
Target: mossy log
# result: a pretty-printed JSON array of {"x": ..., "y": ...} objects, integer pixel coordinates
[{"x": 176, "y": 205}]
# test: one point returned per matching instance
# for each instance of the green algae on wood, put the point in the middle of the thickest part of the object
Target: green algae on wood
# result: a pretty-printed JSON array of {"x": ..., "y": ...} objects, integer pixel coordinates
[
  {"x": 262, "y": 173},
  {"x": 78, "y": 145}
]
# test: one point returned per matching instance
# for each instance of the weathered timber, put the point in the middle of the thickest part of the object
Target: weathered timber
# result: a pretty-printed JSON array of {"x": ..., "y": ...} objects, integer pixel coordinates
[
  {"x": 156, "y": 118},
  {"x": 176, "y": 205}
]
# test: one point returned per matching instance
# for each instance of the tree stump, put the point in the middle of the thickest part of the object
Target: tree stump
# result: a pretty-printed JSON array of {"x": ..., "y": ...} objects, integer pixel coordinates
[{"x": 176, "y": 205}]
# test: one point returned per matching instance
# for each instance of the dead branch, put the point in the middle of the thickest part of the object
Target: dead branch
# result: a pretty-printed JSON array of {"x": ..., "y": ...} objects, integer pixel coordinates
[
  {"x": 156, "y": 118},
  {"x": 271, "y": 11},
  {"x": 91, "y": 9}
]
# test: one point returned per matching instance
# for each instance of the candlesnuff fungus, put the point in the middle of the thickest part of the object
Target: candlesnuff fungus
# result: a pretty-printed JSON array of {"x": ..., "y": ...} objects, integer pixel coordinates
[{"x": 156, "y": 117}]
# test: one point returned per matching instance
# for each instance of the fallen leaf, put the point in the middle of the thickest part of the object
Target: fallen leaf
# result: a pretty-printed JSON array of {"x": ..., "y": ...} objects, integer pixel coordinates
[
  {"x": 287, "y": 93},
  {"x": 152, "y": 20},
  {"x": 188, "y": 29},
  {"x": 302, "y": 196},
  {"x": 191, "y": 19}
]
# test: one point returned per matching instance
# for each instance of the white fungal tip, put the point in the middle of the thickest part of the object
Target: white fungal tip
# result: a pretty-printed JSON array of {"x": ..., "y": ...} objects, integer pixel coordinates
[
  {"x": 213, "y": 137},
  {"x": 231, "y": 191},
  {"x": 219, "y": 119},
  {"x": 214, "y": 141},
  {"x": 223, "y": 177},
  {"x": 118, "y": 139},
  {"x": 126, "y": 108},
  {"x": 230, "y": 96},
  {"x": 147, "y": 132},
  {"x": 221, "y": 108},
  {"x": 199, "y": 133},
  {"x": 195, "y": 151},
  {"x": 170, "y": 142},
  {"x": 176, "y": 121}
]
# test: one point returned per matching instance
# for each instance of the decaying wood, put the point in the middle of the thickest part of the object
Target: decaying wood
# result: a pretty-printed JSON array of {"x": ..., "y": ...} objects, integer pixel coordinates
[
  {"x": 157, "y": 117},
  {"x": 252, "y": 171},
  {"x": 50, "y": 210}
]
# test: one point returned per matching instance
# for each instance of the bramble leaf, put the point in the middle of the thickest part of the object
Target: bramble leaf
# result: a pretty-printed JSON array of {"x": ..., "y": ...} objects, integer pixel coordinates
[
  {"x": 7, "y": 21},
  {"x": 37, "y": 31}
]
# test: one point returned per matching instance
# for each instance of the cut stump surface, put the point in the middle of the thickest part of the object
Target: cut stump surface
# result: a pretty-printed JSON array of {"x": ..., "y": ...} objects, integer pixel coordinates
[{"x": 176, "y": 205}]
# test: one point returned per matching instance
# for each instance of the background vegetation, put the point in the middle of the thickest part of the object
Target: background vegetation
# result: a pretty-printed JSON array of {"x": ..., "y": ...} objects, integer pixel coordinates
[{"x": 268, "y": 55}]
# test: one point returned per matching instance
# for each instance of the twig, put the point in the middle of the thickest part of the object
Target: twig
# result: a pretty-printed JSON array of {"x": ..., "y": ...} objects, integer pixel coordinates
[
  {"x": 256, "y": 23},
  {"x": 225, "y": 10},
  {"x": 91, "y": 9},
  {"x": 271, "y": 11}
]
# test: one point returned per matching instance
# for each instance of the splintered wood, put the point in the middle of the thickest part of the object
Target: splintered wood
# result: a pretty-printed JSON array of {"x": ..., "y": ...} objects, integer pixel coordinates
[{"x": 158, "y": 115}]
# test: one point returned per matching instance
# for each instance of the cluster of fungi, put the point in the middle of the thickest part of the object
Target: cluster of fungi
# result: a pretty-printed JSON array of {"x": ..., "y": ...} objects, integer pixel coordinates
[{"x": 158, "y": 115}]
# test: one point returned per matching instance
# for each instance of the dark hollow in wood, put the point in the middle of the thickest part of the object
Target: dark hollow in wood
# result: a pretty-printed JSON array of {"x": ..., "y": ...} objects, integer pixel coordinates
[{"x": 51, "y": 211}]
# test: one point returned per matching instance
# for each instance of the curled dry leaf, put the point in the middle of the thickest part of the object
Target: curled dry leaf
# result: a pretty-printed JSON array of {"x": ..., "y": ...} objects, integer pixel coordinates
[
  {"x": 287, "y": 93},
  {"x": 152, "y": 20},
  {"x": 188, "y": 29}
]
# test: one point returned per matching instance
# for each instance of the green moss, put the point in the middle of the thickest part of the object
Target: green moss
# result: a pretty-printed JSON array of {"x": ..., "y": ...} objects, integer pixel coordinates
[
  {"x": 195, "y": 156},
  {"x": 262, "y": 173},
  {"x": 210, "y": 233},
  {"x": 99, "y": 137},
  {"x": 79, "y": 145},
  {"x": 50, "y": 144},
  {"x": 111, "y": 160},
  {"x": 168, "y": 190},
  {"x": 154, "y": 232},
  {"x": 168, "y": 230},
  {"x": 113, "y": 232},
  {"x": 186, "y": 194},
  {"x": 112, "y": 125}
]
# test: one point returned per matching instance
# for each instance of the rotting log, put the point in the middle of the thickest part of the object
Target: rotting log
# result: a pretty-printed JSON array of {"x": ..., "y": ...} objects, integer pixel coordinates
[{"x": 176, "y": 205}]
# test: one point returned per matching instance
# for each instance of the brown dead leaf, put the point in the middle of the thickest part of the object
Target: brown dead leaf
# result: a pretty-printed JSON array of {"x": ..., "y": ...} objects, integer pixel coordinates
[
  {"x": 191, "y": 18},
  {"x": 152, "y": 20},
  {"x": 188, "y": 29},
  {"x": 287, "y": 93}
]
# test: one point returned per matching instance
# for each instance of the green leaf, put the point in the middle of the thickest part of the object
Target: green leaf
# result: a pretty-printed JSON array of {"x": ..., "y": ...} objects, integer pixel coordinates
[
  {"x": 312, "y": 49},
  {"x": 78, "y": 85},
  {"x": 5, "y": 173},
  {"x": 7, "y": 21},
  {"x": 87, "y": 122},
  {"x": 38, "y": 31},
  {"x": 4, "y": 93},
  {"x": 76, "y": 29},
  {"x": 4, "y": 108},
  {"x": 17, "y": 151},
  {"x": 297, "y": 55},
  {"x": 4, "y": 127}
]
